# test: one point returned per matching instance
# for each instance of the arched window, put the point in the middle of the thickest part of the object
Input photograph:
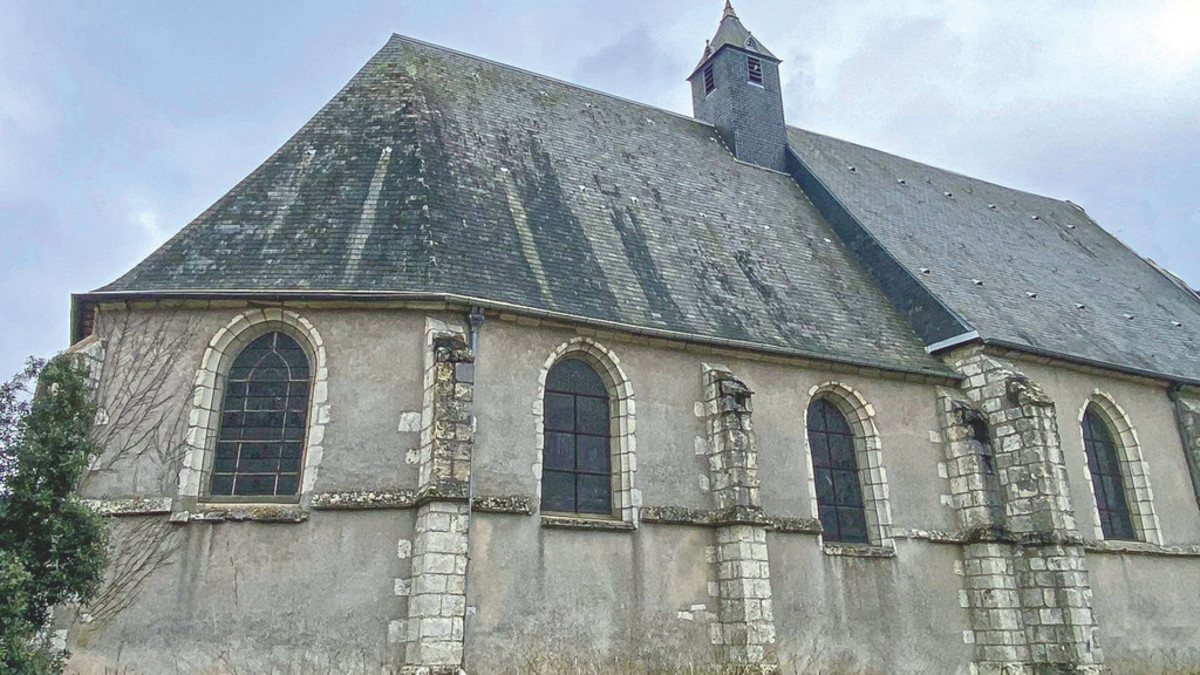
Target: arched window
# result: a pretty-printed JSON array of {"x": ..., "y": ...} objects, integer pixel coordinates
[
  {"x": 264, "y": 416},
  {"x": 1104, "y": 462},
  {"x": 835, "y": 471},
  {"x": 577, "y": 455}
]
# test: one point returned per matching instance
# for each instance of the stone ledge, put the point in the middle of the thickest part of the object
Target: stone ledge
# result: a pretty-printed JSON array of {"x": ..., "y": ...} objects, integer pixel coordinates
[
  {"x": 740, "y": 515},
  {"x": 359, "y": 500},
  {"x": 676, "y": 515},
  {"x": 1142, "y": 548},
  {"x": 130, "y": 506},
  {"x": 366, "y": 500},
  {"x": 683, "y": 515},
  {"x": 859, "y": 550},
  {"x": 1049, "y": 538},
  {"x": 431, "y": 670},
  {"x": 443, "y": 490},
  {"x": 595, "y": 524},
  {"x": 934, "y": 536},
  {"x": 256, "y": 514},
  {"x": 789, "y": 525},
  {"x": 516, "y": 505}
]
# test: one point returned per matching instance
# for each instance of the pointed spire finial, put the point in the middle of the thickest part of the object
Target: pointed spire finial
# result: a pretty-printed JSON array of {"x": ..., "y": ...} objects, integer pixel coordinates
[{"x": 729, "y": 10}]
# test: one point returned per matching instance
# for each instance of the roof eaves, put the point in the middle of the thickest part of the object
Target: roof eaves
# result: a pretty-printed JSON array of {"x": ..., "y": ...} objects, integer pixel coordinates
[
  {"x": 79, "y": 300},
  {"x": 1091, "y": 363}
]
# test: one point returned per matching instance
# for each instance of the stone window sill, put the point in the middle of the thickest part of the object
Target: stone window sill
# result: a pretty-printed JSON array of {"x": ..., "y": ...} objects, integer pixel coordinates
[
  {"x": 584, "y": 523},
  {"x": 1141, "y": 548},
  {"x": 859, "y": 550}
]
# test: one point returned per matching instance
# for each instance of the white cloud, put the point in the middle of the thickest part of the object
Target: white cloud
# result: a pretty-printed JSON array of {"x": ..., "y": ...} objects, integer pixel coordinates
[{"x": 148, "y": 221}]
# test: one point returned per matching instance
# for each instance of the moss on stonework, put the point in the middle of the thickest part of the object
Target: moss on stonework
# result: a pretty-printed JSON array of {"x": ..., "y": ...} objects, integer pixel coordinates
[
  {"x": 516, "y": 505},
  {"x": 364, "y": 499},
  {"x": 544, "y": 663}
]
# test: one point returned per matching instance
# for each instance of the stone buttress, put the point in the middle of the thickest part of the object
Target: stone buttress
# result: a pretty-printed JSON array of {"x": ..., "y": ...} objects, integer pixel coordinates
[
  {"x": 437, "y": 586},
  {"x": 1024, "y": 572},
  {"x": 745, "y": 629}
]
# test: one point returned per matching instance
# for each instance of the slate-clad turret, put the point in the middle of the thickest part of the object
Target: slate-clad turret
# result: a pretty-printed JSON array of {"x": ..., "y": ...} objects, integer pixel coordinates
[{"x": 736, "y": 89}]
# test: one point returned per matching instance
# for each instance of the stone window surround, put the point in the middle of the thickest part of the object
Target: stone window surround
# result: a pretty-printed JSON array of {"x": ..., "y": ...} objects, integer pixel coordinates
[
  {"x": 868, "y": 452},
  {"x": 1134, "y": 472},
  {"x": 626, "y": 498},
  {"x": 204, "y": 418}
]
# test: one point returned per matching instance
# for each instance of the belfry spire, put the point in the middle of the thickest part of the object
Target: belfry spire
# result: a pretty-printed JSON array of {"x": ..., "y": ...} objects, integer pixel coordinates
[{"x": 735, "y": 88}]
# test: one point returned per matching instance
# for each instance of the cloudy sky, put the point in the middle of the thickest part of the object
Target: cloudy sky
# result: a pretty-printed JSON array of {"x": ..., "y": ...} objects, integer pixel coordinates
[{"x": 119, "y": 122}]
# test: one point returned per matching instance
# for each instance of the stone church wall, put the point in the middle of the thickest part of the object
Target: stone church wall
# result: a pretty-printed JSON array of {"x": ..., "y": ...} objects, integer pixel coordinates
[
  {"x": 599, "y": 593},
  {"x": 683, "y": 576},
  {"x": 1145, "y": 600}
]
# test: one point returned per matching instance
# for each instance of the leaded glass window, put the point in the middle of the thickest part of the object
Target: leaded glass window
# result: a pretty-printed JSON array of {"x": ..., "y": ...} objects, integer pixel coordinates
[
  {"x": 835, "y": 468},
  {"x": 264, "y": 415},
  {"x": 1104, "y": 461},
  {"x": 576, "y": 461}
]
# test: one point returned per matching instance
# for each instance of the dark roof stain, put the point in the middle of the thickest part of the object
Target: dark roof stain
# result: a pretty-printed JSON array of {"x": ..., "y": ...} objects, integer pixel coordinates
[{"x": 438, "y": 172}]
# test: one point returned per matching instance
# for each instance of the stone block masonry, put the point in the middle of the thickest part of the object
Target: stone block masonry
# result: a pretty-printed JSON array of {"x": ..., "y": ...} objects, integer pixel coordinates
[
  {"x": 988, "y": 568},
  {"x": 1025, "y": 576},
  {"x": 745, "y": 627},
  {"x": 434, "y": 630},
  {"x": 437, "y": 599}
]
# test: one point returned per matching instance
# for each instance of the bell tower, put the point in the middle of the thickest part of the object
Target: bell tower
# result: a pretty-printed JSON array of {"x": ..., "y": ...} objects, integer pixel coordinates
[{"x": 736, "y": 89}]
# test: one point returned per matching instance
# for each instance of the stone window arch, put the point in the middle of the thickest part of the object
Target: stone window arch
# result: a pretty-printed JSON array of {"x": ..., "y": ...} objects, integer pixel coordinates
[
  {"x": 262, "y": 332},
  {"x": 1117, "y": 474},
  {"x": 858, "y": 416},
  {"x": 617, "y": 392}
]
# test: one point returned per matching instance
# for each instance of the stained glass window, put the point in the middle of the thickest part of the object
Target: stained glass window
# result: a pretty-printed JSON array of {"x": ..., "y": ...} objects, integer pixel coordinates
[
  {"x": 264, "y": 415},
  {"x": 839, "y": 492},
  {"x": 1105, "y": 464},
  {"x": 576, "y": 462}
]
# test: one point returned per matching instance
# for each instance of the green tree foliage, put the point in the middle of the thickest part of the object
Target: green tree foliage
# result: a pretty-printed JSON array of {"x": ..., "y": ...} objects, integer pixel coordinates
[{"x": 51, "y": 544}]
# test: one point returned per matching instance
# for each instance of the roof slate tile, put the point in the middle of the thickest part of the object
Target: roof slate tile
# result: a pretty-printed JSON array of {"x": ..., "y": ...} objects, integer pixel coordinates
[{"x": 438, "y": 172}]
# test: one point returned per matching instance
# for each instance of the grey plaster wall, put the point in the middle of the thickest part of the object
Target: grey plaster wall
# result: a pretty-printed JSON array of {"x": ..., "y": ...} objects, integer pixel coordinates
[
  {"x": 667, "y": 384},
  {"x": 1146, "y": 605},
  {"x": 541, "y": 591},
  {"x": 847, "y": 614},
  {"x": 1147, "y": 609},
  {"x": 313, "y": 597},
  {"x": 374, "y": 362},
  {"x": 1151, "y": 415},
  {"x": 322, "y": 591},
  {"x": 548, "y": 598}
]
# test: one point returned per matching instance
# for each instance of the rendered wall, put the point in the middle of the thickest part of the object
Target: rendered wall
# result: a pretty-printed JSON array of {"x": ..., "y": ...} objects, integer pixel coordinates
[
  {"x": 1145, "y": 598},
  {"x": 325, "y": 585}
]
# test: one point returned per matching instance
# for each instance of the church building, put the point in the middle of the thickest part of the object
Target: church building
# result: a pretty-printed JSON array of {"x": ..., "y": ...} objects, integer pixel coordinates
[{"x": 486, "y": 371}]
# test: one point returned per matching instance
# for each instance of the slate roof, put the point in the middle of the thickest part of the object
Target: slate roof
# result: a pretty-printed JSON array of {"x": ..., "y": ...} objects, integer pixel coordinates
[
  {"x": 437, "y": 172},
  {"x": 1015, "y": 244},
  {"x": 732, "y": 33}
]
